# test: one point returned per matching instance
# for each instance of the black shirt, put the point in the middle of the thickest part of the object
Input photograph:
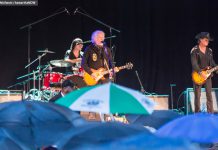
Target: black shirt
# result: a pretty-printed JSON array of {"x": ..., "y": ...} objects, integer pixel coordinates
[
  {"x": 70, "y": 55},
  {"x": 94, "y": 58},
  {"x": 200, "y": 60}
]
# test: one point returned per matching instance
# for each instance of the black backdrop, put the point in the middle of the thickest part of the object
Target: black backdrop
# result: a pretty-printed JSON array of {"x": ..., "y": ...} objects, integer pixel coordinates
[{"x": 156, "y": 36}]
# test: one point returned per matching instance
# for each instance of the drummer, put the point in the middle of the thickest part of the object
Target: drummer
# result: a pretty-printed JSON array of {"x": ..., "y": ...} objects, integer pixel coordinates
[{"x": 73, "y": 55}]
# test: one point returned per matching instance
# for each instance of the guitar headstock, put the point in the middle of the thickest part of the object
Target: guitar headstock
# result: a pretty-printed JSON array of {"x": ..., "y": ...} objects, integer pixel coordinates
[{"x": 129, "y": 65}]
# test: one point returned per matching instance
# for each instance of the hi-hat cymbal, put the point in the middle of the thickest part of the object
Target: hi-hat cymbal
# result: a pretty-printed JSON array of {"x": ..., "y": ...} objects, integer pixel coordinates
[
  {"x": 60, "y": 63},
  {"x": 45, "y": 51}
]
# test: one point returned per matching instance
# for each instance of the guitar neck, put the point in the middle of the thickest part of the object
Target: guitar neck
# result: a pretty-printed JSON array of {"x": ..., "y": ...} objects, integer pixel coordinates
[
  {"x": 122, "y": 67},
  {"x": 213, "y": 69},
  {"x": 119, "y": 68}
]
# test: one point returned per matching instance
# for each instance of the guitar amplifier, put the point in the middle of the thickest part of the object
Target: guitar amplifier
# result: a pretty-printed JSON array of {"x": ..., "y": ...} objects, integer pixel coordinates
[
  {"x": 161, "y": 101},
  {"x": 12, "y": 95},
  {"x": 190, "y": 106}
]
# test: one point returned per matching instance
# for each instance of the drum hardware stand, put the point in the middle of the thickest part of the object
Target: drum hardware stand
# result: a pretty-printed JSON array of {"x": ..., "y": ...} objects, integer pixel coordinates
[
  {"x": 142, "y": 88},
  {"x": 29, "y": 27},
  {"x": 26, "y": 81},
  {"x": 16, "y": 84},
  {"x": 34, "y": 84},
  {"x": 39, "y": 93}
]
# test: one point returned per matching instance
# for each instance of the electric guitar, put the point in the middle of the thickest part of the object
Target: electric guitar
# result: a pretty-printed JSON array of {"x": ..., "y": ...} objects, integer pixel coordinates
[
  {"x": 198, "y": 79},
  {"x": 99, "y": 74}
]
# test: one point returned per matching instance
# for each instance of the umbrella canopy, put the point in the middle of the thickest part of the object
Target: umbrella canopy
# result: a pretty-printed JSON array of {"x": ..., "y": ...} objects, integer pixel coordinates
[
  {"x": 157, "y": 119},
  {"x": 201, "y": 127},
  {"x": 98, "y": 133},
  {"x": 108, "y": 99},
  {"x": 37, "y": 124},
  {"x": 8, "y": 142},
  {"x": 144, "y": 142}
]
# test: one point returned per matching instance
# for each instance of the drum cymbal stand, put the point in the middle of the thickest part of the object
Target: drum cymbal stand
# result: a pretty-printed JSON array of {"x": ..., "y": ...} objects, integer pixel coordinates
[
  {"x": 39, "y": 68},
  {"x": 39, "y": 74}
]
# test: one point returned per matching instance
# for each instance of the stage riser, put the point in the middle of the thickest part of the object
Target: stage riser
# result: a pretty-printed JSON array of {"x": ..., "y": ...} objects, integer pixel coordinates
[{"x": 7, "y": 96}]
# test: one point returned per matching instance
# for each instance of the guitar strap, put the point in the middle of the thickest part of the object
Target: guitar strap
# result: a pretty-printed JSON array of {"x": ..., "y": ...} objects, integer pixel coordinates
[{"x": 109, "y": 60}]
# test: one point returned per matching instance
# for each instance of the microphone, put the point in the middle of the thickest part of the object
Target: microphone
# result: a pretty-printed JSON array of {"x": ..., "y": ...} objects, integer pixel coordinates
[
  {"x": 67, "y": 11},
  {"x": 113, "y": 47},
  {"x": 103, "y": 43},
  {"x": 75, "y": 11}
]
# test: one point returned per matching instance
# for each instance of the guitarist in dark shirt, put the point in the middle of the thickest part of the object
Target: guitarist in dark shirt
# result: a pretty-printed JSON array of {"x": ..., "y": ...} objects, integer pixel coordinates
[
  {"x": 97, "y": 56},
  {"x": 202, "y": 58}
]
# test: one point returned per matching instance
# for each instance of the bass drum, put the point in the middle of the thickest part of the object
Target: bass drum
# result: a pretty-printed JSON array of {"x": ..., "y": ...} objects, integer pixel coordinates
[
  {"x": 52, "y": 79},
  {"x": 77, "y": 80}
]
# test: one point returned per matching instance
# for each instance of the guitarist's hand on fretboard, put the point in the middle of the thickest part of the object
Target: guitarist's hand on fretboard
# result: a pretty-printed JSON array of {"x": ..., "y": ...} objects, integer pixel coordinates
[
  {"x": 116, "y": 69},
  {"x": 112, "y": 72}
]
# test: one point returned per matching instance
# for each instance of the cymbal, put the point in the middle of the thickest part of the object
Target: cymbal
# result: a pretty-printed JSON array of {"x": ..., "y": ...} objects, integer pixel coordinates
[
  {"x": 45, "y": 51},
  {"x": 60, "y": 63}
]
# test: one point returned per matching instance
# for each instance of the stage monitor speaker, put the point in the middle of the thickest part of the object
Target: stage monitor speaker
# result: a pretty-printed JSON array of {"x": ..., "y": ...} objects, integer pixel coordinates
[
  {"x": 12, "y": 95},
  {"x": 190, "y": 106},
  {"x": 161, "y": 101}
]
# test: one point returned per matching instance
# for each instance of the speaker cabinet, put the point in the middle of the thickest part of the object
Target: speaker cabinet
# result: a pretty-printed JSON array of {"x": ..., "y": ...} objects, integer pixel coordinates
[
  {"x": 12, "y": 95},
  {"x": 161, "y": 101},
  {"x": 190, "y": 106}
]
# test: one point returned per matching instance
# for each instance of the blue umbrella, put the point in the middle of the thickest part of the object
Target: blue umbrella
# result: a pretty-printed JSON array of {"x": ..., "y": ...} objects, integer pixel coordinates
[
  {"x": 9, "y": 142},
  {"x": 36, "y": 123},
  {"x": 157, "y": 119},
  {"x": 98, "y": 133},
  {"x": 144, "y": 142},
  {"x": 201, "y": 127}
]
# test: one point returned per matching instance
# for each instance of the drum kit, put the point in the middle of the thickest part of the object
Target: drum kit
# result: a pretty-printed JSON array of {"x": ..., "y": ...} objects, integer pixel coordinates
[{"x": 49, "y": 81}]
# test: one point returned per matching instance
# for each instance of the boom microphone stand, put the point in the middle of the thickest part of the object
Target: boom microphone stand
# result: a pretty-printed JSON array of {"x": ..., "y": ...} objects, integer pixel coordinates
[{"x": 29, "y": 27}]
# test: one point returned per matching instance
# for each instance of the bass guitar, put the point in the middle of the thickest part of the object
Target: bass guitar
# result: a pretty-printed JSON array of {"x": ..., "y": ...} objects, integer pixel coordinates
[
  {"x": 99, "y": 74},
  {"x": 198, "y": 79}
]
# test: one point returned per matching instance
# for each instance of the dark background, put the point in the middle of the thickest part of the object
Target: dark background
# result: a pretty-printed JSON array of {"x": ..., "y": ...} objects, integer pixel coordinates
[{"x": 156, "y": 36}]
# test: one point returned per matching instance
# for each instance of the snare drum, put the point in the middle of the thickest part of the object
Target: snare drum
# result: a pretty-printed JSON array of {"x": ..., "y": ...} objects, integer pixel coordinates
[{"x": 52, "y": 78}]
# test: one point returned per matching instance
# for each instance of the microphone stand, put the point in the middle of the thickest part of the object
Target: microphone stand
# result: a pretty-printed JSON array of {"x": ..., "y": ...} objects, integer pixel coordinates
[
  {"x": 142, "y": 88},
  {"x": 171, "y": 94},
  {"x": 100, "y": 22},
  {"x": 29, "y": 27}
]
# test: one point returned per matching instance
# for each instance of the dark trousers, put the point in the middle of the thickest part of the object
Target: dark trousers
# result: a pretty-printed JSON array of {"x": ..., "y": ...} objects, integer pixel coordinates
[{"x": 197, "y": 91}]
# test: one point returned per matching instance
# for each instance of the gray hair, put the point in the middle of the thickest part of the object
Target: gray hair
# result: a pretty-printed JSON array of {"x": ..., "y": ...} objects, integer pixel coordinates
[{"x": 94, "y": 34}]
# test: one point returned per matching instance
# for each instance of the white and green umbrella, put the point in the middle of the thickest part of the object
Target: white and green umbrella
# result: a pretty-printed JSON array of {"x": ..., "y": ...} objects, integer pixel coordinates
[{"x": 108, "y": 99}]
